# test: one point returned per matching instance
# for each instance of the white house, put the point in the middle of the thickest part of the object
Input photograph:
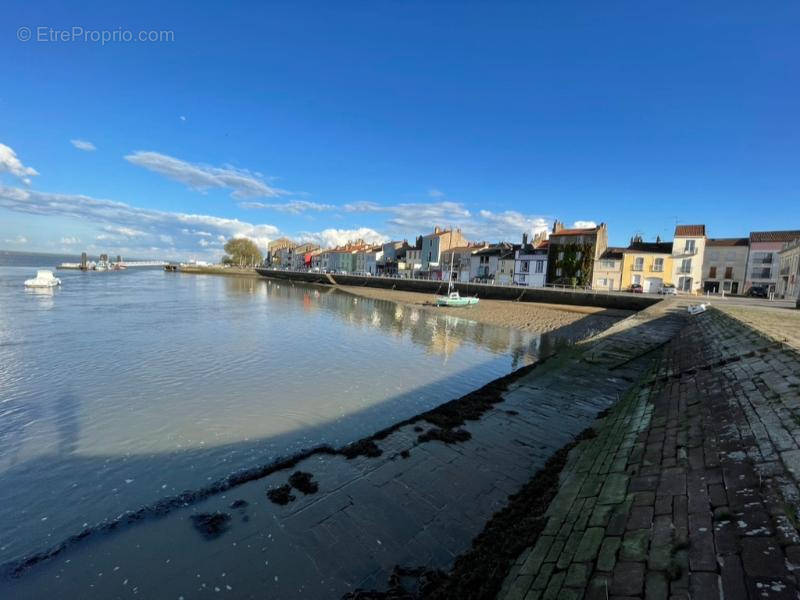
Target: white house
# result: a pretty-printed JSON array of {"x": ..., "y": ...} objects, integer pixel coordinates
[
  {"x": 459, "y": 261},
  {"x": 530, "y": 262},
  {"x": 764, "y": 258},
  {"x": 493, "y": 264},
  {"x": 411, "y": 264}
]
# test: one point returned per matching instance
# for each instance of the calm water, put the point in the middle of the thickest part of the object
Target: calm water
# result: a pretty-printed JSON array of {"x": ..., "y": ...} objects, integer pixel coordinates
[{"x": 120, "y": 388}]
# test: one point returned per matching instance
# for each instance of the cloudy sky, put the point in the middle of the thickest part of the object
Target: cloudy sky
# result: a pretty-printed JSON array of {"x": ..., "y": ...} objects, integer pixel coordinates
[{"x": 331, "y": 121}]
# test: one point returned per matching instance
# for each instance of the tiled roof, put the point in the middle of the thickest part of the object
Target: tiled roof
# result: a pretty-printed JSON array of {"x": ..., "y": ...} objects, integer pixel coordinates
[
  {"x": 728, "y": 242},
  {"x": 774, "y": 236},
  {"x": 575, "y": 231},
  {"x": 650, "y": 247},
  {"x": 690, "y": 230}
]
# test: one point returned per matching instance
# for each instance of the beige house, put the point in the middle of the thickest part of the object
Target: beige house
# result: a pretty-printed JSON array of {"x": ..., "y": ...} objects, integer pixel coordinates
[
  {"x": 608, "y": 270},
  {"x": 789, "y": 271},
  {"x": 688, "y": 250},
  {"x": 435, "y": 243}
]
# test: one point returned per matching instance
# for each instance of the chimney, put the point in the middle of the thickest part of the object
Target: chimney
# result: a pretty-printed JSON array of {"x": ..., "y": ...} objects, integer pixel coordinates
[
  {"x": 557, "y": 226},
  {"x": 437, "y": 229},
  {"x": 525, "y": 239},
  {"x": 658, "y": 239}
]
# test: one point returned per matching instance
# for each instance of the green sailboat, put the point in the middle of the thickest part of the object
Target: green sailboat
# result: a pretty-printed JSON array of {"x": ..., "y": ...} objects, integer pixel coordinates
[{"x": 453, "y": 298}]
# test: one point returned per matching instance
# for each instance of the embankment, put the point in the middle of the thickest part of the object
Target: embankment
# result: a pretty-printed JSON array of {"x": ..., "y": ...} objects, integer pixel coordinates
[{"x": 489, "y": 292}]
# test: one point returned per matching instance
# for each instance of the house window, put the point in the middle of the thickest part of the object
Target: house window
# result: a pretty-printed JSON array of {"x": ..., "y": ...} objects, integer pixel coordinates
[
  {"x": 658, "y": 264},
  {"x": 688, "y": 247},
  {"x": 560, "y": 256},
  {"x": 638, "y": 263},
  {"x": 602, "y": 282},
  {"x": 686, "y": 265},
  {"x": 637, "y": 279},
  {"x": 558, "y": 272},
  {"x": 521, "y": 279},
  {"x": 578, "y": 255},
  {"x": 728, "y": 272},
  {"x": 712, "y": 273},
  {"x": 539, "y": 266},
  {"x": 525, "y": 266},
  {"x": 726, "y": 286}
]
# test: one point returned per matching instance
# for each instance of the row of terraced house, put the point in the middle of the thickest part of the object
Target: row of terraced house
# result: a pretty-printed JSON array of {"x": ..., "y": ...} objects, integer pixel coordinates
[{"x": 691, "y": 262}]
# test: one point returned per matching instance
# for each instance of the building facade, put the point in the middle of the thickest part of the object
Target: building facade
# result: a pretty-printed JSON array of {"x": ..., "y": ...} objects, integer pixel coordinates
[
  {"x": 648, "y": 264},
  {"x": 530, "y": 262},
  {"x": 608, "y": 270},
  {"x": 573, "y": 252},
  {"x": 458, "y": 261},
  {"x": 789, "y": 273},
  {"x": 434, "y": 243},
  {"x": 688, "y": 251},
  {"x": 763, "y": 261},
  {"x": 725, "y": 265}
]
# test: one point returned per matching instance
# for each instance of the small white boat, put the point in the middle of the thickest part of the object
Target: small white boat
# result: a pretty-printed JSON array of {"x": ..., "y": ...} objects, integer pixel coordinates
[
  {"x": 453, "y": 298},
  {"x": 43, "y": 279}
]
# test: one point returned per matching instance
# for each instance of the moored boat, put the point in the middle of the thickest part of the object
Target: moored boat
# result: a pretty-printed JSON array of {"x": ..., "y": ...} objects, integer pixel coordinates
[
  {"x": 453, "y": 298},
  {"x": 43, "y": 279}
]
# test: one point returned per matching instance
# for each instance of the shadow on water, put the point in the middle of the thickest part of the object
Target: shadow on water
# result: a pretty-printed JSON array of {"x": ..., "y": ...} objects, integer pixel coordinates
[{"x": 96, "y": 479}]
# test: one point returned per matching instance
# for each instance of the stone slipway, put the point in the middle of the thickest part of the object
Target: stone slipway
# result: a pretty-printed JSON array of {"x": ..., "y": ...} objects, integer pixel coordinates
[
  {"x": 690, "y": 488},
  {"x": 370, "y": 514}
]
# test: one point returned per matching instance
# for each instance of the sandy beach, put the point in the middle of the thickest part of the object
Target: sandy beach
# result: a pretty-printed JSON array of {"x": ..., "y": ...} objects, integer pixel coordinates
[{"x": 526, "y": 316}]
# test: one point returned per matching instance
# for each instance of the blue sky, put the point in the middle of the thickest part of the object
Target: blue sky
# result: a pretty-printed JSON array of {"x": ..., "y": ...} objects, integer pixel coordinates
[{"x": 330, "y": 120}]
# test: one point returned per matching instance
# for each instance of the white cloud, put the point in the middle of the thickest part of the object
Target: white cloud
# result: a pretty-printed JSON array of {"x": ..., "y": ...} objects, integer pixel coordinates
[
  {"x": 182, "y": 118},
  {"x": 508, "y": 225},
  {"x": 365, "y": 207},
  {"x": 294, "y": 207},
  {"x": 167, "y": 239},
  {"x": 83, "y": 145},
  {"x": 135, "y": 229},
  {"x": 69, "y": 241},
  {"x": 128, "y": 232},
  {"x": 245, "y": 184},
  {"x": 20, "y": 239},
  {"x": 329, "y": 238},
  {"x": 584, "y": 225},
  {"x": 9, "y": 163}
]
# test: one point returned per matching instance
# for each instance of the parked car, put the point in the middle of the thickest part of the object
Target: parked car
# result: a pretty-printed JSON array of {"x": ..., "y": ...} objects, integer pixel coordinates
[
  {"x": 758, "y": 291},
  {"x": 668, "y": 290},
  {"x": 636, "y": 289}
]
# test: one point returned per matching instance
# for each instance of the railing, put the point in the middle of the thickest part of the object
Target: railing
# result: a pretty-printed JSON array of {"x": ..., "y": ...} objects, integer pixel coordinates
[
  {"x": 656, "y": 269},
  {"x": 637, "y": 268},
  {"x": 684, "y": 270},
  {"x": 685, "y": 252}
]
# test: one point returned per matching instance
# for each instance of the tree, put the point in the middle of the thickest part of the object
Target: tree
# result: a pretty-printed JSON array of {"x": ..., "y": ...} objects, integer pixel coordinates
[{"x": 242, "y": 252}]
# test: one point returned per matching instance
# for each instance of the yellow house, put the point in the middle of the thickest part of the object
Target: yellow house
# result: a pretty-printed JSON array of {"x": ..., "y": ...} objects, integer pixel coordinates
[{"x": 648, "y": 264}]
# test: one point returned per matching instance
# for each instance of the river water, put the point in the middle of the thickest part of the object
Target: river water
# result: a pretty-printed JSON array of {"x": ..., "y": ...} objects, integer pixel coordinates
[{"x": 120, "y": 388}]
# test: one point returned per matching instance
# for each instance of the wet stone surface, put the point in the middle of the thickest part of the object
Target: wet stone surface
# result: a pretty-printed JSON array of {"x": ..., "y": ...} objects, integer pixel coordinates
[{"x": 704, "y": 474}]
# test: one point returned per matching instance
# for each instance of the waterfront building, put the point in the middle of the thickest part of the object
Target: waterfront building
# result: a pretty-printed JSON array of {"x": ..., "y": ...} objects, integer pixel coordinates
[
  {"x": 530, "y": 261},
  {"x": 648, "y": 264},
  {"x": 434, "y": 243},
  {"x": 572, "y": 253},
  {"x": 411, "y": 264},
  {"x": 688, "y": 251},
  {"x": 391, "y": 253},
  {"x": 459, "y": 260},
  {"x": 370, "y": 258},
  {"x": 494, "y": 264},
  {"x": 763, "y": 261},
  {"x": 789, "y": 271},
  {"x": 273, "y": 259},
  {"x": 301, "y": 256},
  {"x": 608, "y": 270},
  {"x": 725, "y": 265}
]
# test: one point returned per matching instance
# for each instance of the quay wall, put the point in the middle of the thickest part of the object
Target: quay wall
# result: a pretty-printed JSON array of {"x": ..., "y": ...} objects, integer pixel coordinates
[{"x": 490, "y": 292}]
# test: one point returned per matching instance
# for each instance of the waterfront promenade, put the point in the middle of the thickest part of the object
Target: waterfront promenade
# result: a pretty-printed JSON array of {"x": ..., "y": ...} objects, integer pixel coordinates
[{"x": 689, "y": 489}]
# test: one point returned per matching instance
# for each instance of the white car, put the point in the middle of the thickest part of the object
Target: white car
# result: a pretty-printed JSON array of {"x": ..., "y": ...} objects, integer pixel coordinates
[{"x": 668, "y": 290}]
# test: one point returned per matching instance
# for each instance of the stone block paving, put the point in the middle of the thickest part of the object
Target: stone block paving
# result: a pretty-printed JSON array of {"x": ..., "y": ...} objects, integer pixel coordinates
[{"x": 689, "y": 489}]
